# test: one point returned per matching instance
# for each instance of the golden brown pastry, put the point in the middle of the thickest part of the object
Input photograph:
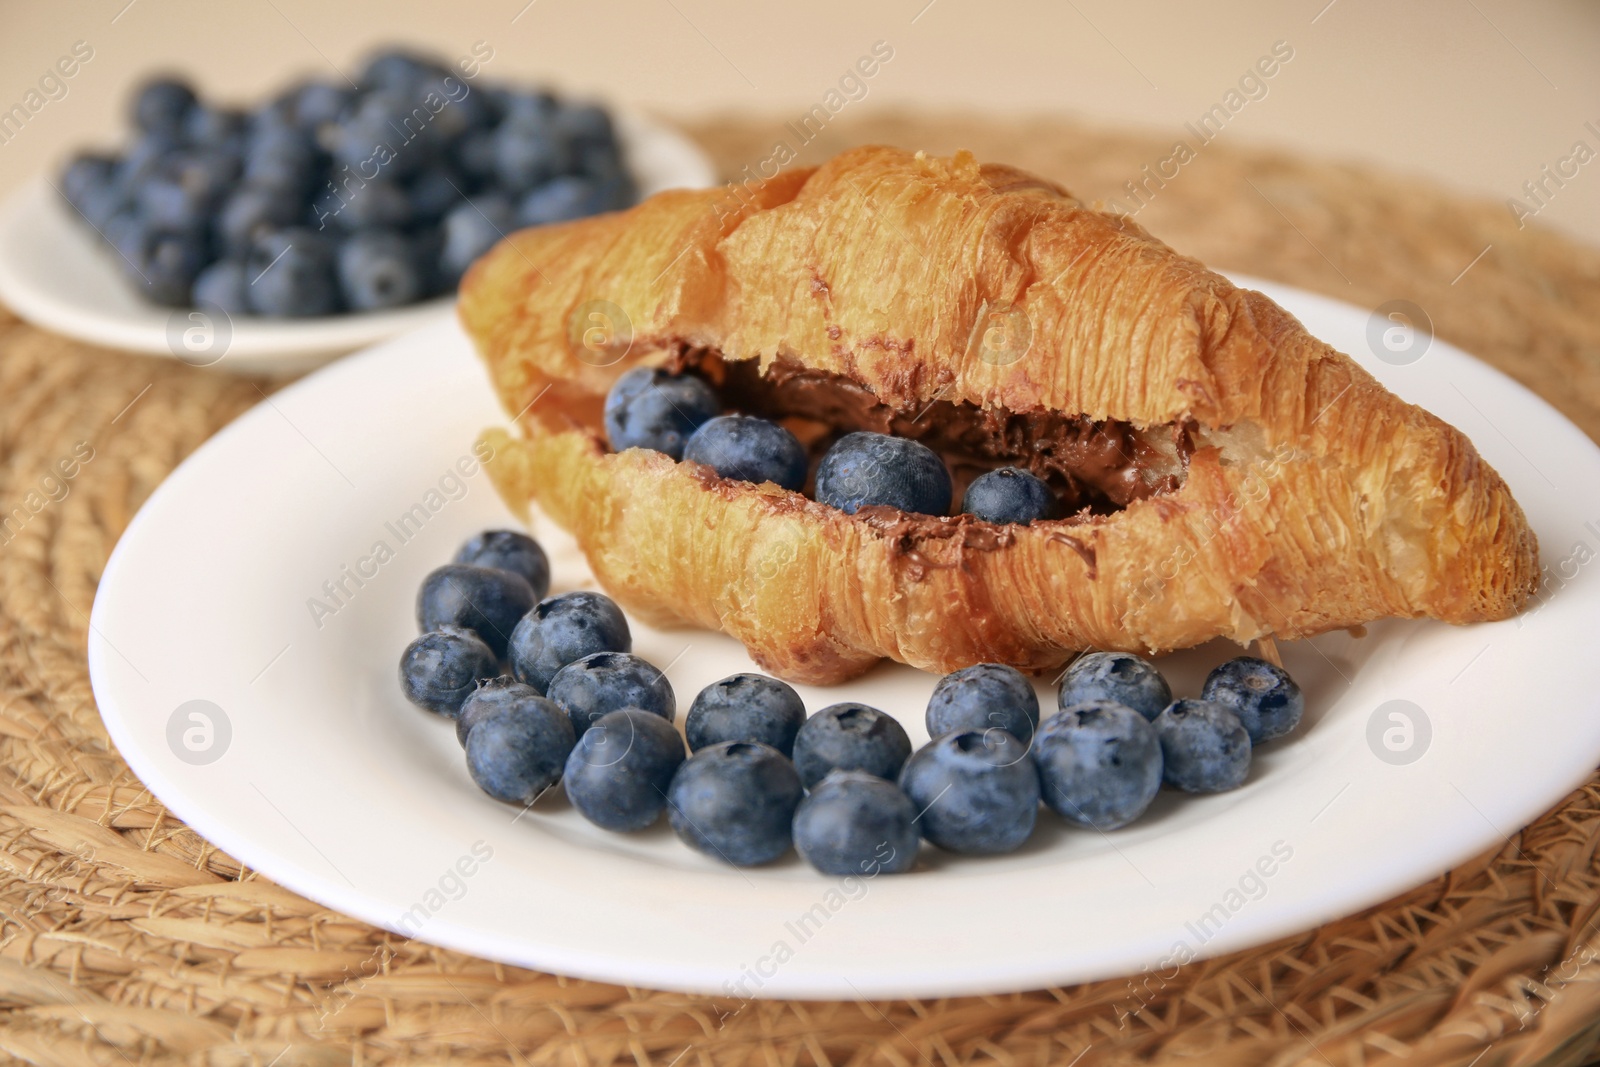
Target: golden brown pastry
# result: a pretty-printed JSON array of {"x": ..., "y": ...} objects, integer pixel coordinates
[{"x": 1229, "y": 474}]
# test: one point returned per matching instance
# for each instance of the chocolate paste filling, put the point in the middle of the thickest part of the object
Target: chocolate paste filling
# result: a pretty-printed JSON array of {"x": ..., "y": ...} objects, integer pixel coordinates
[{"x": 1094, "y": 466}]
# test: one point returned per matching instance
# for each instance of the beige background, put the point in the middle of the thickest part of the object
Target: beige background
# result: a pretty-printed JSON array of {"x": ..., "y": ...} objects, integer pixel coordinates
[{"x": 1477, "y": 94}]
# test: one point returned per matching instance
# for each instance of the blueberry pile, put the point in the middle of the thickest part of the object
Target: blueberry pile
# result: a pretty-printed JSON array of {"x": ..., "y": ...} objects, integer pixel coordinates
[
  {"x": 332, "y": 198},
  {"x": 545, "y": 691},
  {"x": 680, "y": 415}
]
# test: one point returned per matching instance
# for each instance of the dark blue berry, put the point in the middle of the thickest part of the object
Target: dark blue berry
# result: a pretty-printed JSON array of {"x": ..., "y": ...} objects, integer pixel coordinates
[
  {"x": 225, "y": 284},
  {"x": 163, "y": 264},
  {"x": 745, "y": 707},
  {"x": 161, "y": 105},
  {"x": 649, "y": 408},
  {"x": 1204, "y": 747},
  {"x": 251, "y": 211},
  {"x": 509, "y": 550},
  {"x": 518, "y": 750},
  {"x": 282, "y": 157},
  {"x": 745, "y": 448},
  {"x": 489, "y": 697},
  {"x": 316, "y": 104},
  {"x": 471, "y": 229},
  {"x": 736, "y": 802},
  {"x": 561, "y": 199},
  {"x": 621, "y": 769},
  {"x": 1266, "y": 699},
  {"x": 486, "y": 601},
  {"x": 387, "y": 130},
  {"x": 850, "y": 737},
  {"x": 378, "y": 269},
  {"x": 376, "y": 204},
  {"x": 563, "y": 629},
  {"x": 1099, "y": 764},
  {"x": 292, "y": 275},
  {"x": 1117, "y": 676},
  {"x": 1009, "y": 495},
  {"x": 86, "y": 173},
  {"x": 857, "y": 823},
  {"x": 988, "y": 696},
  {"x": 528, "y": 151},
  {"x": 439, "y": 670},
  {"x": 433, "y": 191},
  {"x": 977, "y": 791},
  {"x": 603, "y": 682},
  {"x": 864, "y": 469},
  {"x": 215, "y": 127}
]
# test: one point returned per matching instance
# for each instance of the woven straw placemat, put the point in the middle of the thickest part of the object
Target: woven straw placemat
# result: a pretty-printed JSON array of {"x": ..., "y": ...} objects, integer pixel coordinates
[{"x": 125, "y": 938}]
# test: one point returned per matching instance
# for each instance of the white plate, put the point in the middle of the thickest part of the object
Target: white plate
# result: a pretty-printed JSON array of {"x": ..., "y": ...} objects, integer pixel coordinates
[
  {"x": 57, "y": 273},
  {"x": 328, "y": 782}
]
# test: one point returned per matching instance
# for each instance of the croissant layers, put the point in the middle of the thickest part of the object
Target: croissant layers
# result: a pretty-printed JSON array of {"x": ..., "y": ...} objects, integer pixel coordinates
[{"x": 1224, "y": 472}]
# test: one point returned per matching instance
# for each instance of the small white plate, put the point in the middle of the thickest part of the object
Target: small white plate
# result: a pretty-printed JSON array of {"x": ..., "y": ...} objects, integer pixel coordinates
[
  {"x": 1423, "y": 744},
  {"x": 57, "y": 273}
]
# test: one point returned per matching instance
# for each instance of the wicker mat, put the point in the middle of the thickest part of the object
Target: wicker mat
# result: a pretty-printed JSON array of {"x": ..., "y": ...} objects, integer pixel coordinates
[{"x": 128, "y": 939}]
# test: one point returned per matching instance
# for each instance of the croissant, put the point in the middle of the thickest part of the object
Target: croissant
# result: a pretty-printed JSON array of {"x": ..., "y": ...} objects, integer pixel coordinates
[{"x": 1226, "y": 474}]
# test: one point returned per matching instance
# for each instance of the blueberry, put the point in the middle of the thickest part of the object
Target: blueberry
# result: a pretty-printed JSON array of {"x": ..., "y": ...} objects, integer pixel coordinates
[
  {"x": 489, "y": 697},
  {"x": 528, "y": 151},
  {"x": 433, "y": 191},
  {"x": 147, "y": 152},
  {"x": 163, "y": 264},
  {"x": 977, "y": 791},
  {"x": 1118, "y": 676},
  {"x": 439, "y": 670},
  {"x": 1099, "y": 764},
  {"x": 1266, "y": 699},
  {"x": 282, "y": 157},
  {"x": 516, "y": 104},
  {"x": 378, "y": 269},
  {"x": 455, "y": 107},
  {"x": 224, "y": 284},
  {"x": 395, "y": 69},
  {"x": 509, "y": 550},
  {"x": 386, "y": 129},
  {"x": 99, "y": 205},
  {"x": 487, "y": 601},
  {"x": 649, "y": 408},
  {"x": 736, "y": 801},
  {"x": 252, "y": 211},
  {"x": 518, "y": 750},
  {"x": 857, "y": 823},
  {"x": 585, "y": 123},
  {"x": 619, "y": 773},
  {"x": 563, "y": 629},
  {"x": 215, "y": 127},
  {"x": 88, "y": 172},
  {"x": 745, "y": 448},
  {"x": 185, "y": 190},
  {"x": 561, "y": 199},
  {"x": 292, "y": 275},
  {"x": 376, "y": 204},
  {"x": 745, "y": 707},
  {"x": 1204, "y": 746},
  {"x": 602, "y": 682},
  {"x": 1009, "y": 495},
  {"x": 863, "y": 469},
  {"x": 987, "y": 696},
  {"x": 161, "y": 104},
  {"x": 850, "y": 737},
  {"x": 470, "y": 230},
  {"x": 316, "y": 104},
  {"x": 475, "y": 155}
]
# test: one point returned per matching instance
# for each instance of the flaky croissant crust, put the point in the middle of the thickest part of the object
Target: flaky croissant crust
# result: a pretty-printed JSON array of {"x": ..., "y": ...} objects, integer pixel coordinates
[{"x": 1313, "y": 499}]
